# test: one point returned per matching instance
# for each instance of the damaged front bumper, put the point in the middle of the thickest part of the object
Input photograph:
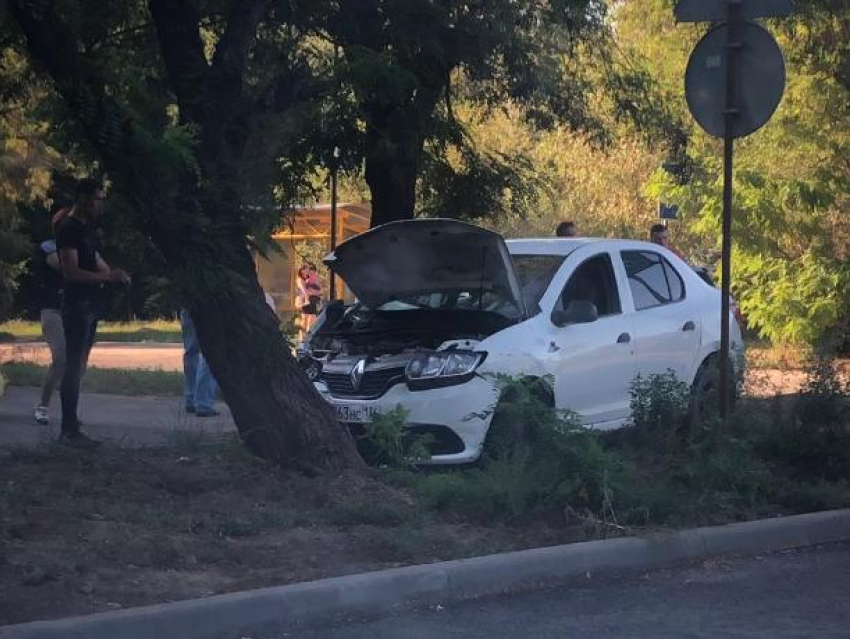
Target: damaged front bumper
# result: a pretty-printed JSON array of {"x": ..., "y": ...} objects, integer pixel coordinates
[{"x": 456, "y": 417}]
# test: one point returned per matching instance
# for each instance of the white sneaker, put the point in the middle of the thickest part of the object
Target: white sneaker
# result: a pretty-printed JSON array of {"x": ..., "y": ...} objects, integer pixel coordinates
[{"x": 42, "y": 415}]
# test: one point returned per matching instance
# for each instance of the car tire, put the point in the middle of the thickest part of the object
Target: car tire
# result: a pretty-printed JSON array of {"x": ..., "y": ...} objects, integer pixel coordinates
[{"x": 705, "y": 392}]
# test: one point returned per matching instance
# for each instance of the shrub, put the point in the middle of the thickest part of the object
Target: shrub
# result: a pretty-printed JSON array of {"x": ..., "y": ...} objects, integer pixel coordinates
[
  {"x": 386, "y": 441},
  {"x": 537, "y": 460},
  {"x": 659, "y": 405},
  {"x": 811, "y": 442}
]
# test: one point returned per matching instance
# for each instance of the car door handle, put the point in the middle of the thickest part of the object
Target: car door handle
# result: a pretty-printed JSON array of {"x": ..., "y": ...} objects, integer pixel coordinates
[
  {"x": 689, "y": 326},
  {"x": 624, "y": 338}
]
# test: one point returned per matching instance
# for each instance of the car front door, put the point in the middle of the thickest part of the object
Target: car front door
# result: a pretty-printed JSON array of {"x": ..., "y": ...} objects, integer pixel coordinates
[
  {"x": 666, "y": 325},
  {"x": 593, "y": 363}
]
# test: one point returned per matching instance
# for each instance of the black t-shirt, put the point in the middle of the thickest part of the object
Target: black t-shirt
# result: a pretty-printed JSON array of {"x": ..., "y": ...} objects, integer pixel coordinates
[
  {"x": 48, "y": 280},
  {"x": 75, "y": 234}
]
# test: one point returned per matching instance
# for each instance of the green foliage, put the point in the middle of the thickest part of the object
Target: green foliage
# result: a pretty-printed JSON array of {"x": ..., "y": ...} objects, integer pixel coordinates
[
  {"x": 386, "y": 441},
  {"x": 791, "y": 222},
  {"x": 811, "y": 442},
  {"x": 540, "y": 462},
  {"x": 659, "y": 404},
  {"x": 537, "y": 460}
]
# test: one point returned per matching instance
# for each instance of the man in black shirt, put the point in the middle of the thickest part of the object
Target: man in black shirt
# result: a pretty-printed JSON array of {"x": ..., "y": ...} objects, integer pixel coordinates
[{"x": 84, "y": 271}]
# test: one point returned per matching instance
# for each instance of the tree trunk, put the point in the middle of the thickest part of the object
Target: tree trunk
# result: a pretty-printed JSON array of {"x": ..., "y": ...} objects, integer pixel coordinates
[
  {"x": 394, "y": 147},
  {"x": 279, "y": 414},
  {"x": 391, "y": 177}
]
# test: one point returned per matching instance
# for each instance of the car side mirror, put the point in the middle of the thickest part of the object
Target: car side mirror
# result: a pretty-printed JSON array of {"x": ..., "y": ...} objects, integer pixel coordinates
[{"x": 578, "y": 312}]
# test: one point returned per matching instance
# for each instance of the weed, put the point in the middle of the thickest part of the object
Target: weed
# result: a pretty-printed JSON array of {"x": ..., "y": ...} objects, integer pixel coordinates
[
  {"x": 804, "y": 497},
  {"x": 659, "y": 404},
  {"x": 538, "y": 460},
  {"x": 386, "y": 441}
]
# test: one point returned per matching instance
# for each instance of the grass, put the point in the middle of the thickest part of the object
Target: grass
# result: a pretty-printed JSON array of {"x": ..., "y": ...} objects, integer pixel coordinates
[
  {"x": 774, "y": 456},
  {"x": 110, "y": 381},
  {"x": 149, "y": 331}
]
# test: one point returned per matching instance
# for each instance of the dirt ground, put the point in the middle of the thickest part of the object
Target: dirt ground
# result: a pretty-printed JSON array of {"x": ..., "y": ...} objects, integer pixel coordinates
[{"x": 89, "y": 532}]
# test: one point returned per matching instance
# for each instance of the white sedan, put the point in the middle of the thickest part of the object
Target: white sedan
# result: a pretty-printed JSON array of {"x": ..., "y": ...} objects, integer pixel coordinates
[{"x": 444, "y": 307}]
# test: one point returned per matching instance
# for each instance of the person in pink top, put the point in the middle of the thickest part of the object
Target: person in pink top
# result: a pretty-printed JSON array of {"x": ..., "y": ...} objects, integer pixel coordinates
[{"x": 309, "y": 296}]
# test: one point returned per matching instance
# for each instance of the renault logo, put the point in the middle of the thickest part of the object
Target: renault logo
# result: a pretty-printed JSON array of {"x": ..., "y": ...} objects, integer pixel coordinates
[{"x": 356, "y": 374}]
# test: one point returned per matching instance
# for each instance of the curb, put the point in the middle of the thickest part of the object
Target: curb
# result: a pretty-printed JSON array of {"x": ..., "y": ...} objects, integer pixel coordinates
[{"x": 270, "y": 610}]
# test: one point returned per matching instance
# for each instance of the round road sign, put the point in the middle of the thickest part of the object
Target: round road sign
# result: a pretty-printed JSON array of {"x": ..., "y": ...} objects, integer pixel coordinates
[{"x": 759, "y": 79}]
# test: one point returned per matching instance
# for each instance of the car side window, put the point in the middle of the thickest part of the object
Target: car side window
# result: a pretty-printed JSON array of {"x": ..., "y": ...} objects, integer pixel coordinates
[
  {"x": 593, "y": 281},
  {"x": 652, "y": 279}
]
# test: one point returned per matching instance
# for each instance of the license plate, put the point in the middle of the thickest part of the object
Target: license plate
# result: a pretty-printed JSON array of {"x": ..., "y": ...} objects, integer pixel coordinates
[{"x": 354, "y": 414}]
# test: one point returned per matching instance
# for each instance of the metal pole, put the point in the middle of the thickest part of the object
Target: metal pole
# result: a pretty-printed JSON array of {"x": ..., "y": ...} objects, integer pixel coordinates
[
  {"x": 334, "y": 164},
  {"x": 733, "y": 46}
]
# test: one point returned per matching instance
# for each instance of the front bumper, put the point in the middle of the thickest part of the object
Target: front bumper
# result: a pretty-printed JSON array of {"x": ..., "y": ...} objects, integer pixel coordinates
[{"x": 465, "y": 409}]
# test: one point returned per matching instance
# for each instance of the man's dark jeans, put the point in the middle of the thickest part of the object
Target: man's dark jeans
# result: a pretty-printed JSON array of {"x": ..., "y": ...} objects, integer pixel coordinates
[{"x": 79, "y": 322}]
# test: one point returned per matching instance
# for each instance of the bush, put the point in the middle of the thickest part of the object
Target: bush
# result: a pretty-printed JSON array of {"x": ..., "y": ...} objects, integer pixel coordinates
[
  {"x": 537, "y": 460},
  {"x": 811, "y": 442},
  {"x": 541, "y": 462},
  {"x": 659, "y": 406},
  {"x": 386, "y": 441},
  {"x": 715, "y": 459}
]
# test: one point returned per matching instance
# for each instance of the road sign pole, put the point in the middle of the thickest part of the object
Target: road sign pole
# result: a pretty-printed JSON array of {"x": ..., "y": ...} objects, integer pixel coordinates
[
  {"x": 334, "y": 169},
  {"x": 733, "y": 47}
]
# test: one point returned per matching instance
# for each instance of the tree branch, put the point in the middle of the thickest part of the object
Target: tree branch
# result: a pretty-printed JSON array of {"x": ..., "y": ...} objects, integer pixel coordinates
[
  {"x": 108, "y": 125},
  {"x": 178, "y": 30}
]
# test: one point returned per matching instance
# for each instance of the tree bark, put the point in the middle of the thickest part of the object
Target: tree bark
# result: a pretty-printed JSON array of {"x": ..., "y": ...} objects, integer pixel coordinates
[
  {"x": 395, "y": 141},
  {"x": 196, "y": 224},
  {"x": 392, "y": 167},
  {"x": 279, "y": 414}
]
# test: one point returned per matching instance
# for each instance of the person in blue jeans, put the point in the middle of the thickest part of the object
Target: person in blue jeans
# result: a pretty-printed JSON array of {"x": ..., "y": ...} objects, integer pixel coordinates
[
  {"x": 84, "y": 272},
  {"x": 199, "y": 385}
]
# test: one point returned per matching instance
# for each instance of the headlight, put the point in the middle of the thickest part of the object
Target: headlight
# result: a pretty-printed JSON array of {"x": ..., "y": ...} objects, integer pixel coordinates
[{"x": 430, "y": 370}]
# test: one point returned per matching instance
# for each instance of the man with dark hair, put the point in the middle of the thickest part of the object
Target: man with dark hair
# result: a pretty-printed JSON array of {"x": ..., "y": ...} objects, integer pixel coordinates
[
  {"x": 84, "y": 271},
  {"x": 566, "y": 229},
  {"x": 658, "y": 234}
]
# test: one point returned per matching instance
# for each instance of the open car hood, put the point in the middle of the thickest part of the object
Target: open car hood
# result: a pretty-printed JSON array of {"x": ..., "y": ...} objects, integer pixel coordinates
[{"x": 412, "y": 257}]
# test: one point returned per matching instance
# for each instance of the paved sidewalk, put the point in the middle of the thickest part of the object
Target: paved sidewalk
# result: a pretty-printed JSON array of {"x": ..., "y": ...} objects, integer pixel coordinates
[{"x": 116, "y": 419}]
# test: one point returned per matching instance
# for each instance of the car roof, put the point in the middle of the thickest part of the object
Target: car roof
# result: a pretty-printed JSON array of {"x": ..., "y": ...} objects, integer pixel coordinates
[{"x": 566, "y": 245}]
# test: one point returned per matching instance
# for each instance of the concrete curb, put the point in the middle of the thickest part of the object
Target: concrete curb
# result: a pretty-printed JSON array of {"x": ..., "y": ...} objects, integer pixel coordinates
[{"x": 271, "y": 610}]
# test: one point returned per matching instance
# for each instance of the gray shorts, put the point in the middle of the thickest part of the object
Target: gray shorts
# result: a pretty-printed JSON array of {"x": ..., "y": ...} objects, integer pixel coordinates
[{"x": 54, "y": 334}]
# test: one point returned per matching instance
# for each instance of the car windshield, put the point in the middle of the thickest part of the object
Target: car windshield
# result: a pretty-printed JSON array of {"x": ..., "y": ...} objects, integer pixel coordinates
[
  {"x": 535, "y": 273},
  {"x": 473, "y": 300}
]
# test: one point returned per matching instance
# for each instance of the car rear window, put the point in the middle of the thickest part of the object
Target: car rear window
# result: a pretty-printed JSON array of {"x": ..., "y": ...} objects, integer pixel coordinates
[{"x": 652, "y": 279}]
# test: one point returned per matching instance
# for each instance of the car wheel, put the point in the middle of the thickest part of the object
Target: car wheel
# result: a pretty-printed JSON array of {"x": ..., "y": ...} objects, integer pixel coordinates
[{"x": 705, "y": 393}]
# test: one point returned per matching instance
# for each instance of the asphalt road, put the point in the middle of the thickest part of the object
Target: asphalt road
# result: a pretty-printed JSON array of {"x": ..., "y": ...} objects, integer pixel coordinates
[{"x": 800, "y": 594}]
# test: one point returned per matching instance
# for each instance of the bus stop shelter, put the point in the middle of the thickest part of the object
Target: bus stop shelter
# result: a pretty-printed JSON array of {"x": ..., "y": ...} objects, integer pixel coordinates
[{"x": 305, "y": 235}]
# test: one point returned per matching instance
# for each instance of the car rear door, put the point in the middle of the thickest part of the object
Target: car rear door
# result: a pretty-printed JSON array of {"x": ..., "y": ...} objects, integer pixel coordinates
[
  {"x": 666, "y": 324},
  {"x": 593, "y": 363}
]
